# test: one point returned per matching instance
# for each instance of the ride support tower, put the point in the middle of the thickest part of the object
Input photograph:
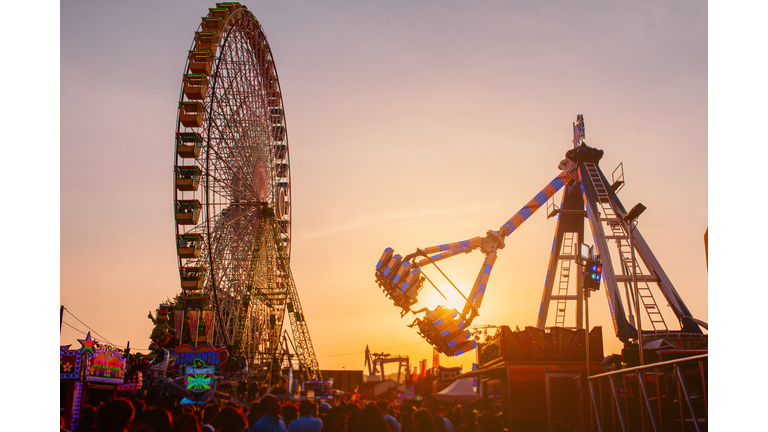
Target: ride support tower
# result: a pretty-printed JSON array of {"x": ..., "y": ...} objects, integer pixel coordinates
[{"x": 632, "y": 276}]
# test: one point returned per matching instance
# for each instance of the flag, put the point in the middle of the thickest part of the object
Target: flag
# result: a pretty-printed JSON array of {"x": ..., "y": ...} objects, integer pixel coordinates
[
  {"x": 423, "y": 369},
  {"x": 193, "y": 323},
  {"x": 435, "y": 358},
  {"x": 578, "y": 130},
  {"x": 178, "y": 322},
  {"x": 208, "y": 320}
]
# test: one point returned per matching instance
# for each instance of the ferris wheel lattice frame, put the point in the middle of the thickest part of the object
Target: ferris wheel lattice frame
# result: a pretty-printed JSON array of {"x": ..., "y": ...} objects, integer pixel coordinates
[{"x": 232, "y": 191}]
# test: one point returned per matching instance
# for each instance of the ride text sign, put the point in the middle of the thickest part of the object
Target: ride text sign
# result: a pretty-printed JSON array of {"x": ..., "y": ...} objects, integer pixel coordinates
[
  {"x": 199, "y": 379},
  {"x": 107, "y": 365}
]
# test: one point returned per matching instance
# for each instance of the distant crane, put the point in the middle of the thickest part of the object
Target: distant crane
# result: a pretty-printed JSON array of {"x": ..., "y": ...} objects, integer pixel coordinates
[{"x": 376, "y": 361}]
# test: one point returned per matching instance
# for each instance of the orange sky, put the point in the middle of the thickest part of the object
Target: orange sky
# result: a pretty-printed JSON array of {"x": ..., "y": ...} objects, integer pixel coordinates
[{"x": 409, "y": 126}]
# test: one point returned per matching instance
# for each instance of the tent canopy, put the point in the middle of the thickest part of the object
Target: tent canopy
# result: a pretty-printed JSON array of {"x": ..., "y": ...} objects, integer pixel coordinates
[{"x": 460, "y": 390}]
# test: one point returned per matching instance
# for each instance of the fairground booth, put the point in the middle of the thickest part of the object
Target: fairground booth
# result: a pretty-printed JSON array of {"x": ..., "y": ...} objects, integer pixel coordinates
[
  {"x": 88, "y": 376},
  {"x": 531, "y": 376}
]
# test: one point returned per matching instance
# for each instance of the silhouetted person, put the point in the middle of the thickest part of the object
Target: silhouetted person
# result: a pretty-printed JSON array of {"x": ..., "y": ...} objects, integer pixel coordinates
[
  {"x": 186, "y": 422},
  {"x": 394, "y": 426},
  {"x": 455, "y": 416},
  {"x": 422, "y": 421},
  {"x": 406, "y": 411},
  {"x": 230, "y": 419},
  {"x": 307, "y": 422},
  {"x": 469, "y": 424},
  {"x": 489, "y": 421},
  {"x": 441, "y": 423},
  {"x": 209, "y": 413},
  {"x": 254, "y": 414},
  {"x": 114, "y": 416},
  {"x": 87, "y": 420},
  {"x": 270, "y": 421},
  {"x": 353, "y": 418},
  {"x": 371, "y": 420},
  {"x": 155, "y": 419},
  {"x": 290, "y": 413}
]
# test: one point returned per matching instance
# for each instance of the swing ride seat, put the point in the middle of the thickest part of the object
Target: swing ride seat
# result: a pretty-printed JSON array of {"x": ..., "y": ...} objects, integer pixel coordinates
[
  {"x": 399, "y": 280},
  {"x": 444, "y": 329}
]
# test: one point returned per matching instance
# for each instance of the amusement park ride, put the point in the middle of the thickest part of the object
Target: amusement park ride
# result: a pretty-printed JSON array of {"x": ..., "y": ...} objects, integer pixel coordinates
[
  {"x": 612, "y": 262},
  {"x": 232, "y": 196},
  {"x": 376, "y": 362}
]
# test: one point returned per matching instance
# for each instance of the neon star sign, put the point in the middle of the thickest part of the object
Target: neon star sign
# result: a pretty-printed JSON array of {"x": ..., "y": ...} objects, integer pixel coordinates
[
  {"x": 88, "y": 344},
  {"x": 69, "y": 363}
]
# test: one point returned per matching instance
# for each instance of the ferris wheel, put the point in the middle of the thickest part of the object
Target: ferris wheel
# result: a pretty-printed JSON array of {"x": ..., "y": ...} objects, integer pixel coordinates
[{"x": 232, "y": 185}]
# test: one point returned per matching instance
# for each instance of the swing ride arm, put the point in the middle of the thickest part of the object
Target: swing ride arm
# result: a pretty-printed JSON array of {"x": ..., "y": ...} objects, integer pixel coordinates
[{"x": 401, "y": 278}]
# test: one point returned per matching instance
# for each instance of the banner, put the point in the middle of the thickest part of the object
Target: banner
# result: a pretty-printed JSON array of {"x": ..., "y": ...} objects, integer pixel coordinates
[
  {"x": 178, "y": 322},
  {"x": 194, "y": 317},
  {"x": 435, "y": 358},
  {"x": 208, "y": 320},
  {"x": 423, "y": 368}
]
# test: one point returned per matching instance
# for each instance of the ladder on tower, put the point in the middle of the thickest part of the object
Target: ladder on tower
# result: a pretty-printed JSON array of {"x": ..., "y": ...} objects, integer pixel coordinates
[
  {"x": 630, "y": 267},
  {"x": 241, "y": 342},
  {"x": 565, "y": 277}
]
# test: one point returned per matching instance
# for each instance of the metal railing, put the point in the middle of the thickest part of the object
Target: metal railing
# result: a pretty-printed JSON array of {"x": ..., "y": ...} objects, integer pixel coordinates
[{"x": 664, "y": 396}]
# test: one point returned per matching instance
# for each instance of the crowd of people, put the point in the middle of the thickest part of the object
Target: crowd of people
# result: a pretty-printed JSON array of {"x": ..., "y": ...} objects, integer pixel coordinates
[{"x": 268, "y": 414}]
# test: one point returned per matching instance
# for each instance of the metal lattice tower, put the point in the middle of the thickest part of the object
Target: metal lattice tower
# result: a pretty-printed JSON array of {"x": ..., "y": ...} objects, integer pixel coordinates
[
  {"x": 273, "y": 286},
  {"x": 590, "y": 196}
]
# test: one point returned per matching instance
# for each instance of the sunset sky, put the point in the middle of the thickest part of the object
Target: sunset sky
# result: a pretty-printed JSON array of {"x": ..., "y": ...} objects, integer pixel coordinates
[{"x": 409, "y": 125}]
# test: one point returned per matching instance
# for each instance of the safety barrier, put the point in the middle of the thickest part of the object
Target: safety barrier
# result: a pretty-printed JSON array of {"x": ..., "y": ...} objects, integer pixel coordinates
[{"x": 664, "y": 396}]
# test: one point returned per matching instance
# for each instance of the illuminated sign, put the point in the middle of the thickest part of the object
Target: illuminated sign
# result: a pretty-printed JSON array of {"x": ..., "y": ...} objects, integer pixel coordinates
[
  {"x": 187, "y": 354},
  {"x": 69, "y": 363},
  {"x": 106, "y": 365},
  {"x": 319, "y": 389},
  {"x": 199, "y": 378},
  {"x": 132, "y": 384}
]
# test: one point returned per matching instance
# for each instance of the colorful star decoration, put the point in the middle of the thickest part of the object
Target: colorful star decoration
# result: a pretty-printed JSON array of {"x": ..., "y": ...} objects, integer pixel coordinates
[{"x": 87, "y": 344}]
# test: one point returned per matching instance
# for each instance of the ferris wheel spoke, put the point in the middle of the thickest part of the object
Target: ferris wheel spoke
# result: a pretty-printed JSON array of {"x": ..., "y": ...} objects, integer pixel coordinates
[{"x": 236, "y": 165}]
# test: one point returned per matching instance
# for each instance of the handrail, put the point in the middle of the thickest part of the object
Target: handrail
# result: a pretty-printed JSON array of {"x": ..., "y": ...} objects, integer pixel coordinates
[
  {"x": 671, "y": 389},
  {"x": 652, "y": 365}
]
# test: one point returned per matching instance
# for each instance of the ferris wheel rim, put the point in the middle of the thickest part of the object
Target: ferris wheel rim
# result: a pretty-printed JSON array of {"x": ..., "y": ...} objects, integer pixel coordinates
[{"x": 277, "y": 191}]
